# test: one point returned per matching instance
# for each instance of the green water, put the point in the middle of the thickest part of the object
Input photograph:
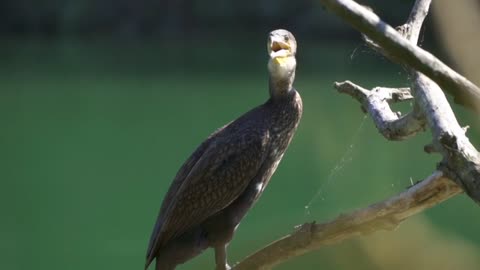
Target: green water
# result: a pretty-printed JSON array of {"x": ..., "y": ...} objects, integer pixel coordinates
[{"x": 94, "y": 131}]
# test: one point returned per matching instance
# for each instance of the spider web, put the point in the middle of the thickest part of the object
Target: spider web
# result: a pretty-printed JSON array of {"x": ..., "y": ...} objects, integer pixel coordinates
[{"x": 346, "y": 158}]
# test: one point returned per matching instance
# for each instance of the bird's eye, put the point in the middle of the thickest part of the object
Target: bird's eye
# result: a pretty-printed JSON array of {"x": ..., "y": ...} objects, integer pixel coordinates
[{"x": 285, "y": 38}]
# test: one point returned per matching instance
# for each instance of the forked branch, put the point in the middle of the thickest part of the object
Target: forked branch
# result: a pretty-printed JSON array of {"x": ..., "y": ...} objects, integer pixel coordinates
[
  {"x": 461, "y": 161},
  {"x": 405, "y": 52},
  {"x": 391, "y": 124}
]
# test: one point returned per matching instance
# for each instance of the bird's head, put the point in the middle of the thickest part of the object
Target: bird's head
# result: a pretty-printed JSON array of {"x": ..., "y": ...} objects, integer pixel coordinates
[{"x": 282, "y": 48}]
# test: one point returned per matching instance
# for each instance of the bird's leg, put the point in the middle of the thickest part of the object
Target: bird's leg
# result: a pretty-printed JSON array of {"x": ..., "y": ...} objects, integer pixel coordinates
[{"x": 221, "y": 257}]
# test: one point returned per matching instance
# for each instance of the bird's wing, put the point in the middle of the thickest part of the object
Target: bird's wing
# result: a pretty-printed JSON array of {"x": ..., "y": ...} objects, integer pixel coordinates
[
  {"x": 219, "y": 176},
  {"x": 177, "y": 183},
  {"x": 172, "y": 191}
]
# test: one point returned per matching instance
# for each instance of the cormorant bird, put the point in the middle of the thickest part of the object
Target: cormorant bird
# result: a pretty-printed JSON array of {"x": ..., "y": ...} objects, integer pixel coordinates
[{"x": 227, "y": 173}]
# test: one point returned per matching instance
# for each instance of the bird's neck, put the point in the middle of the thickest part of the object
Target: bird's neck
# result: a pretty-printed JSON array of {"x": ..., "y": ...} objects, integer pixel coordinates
[
  {"x": 280, "y": 86},
  {"x": 281, "y": 75}
]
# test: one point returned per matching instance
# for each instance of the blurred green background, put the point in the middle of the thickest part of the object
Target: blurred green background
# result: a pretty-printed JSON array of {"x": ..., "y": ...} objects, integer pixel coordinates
[{"x": 99, "y": 110}]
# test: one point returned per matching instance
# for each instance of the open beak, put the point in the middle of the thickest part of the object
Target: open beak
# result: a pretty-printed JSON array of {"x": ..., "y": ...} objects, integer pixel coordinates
[
  {"x": 279, "y": 45},
  {"x": 279, "y": 48}
]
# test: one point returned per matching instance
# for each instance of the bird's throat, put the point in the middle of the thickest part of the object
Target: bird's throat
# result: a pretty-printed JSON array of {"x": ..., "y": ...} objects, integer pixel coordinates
[
  {"x": 280, "y": 61},
  {"x": 282, "y": 75}
]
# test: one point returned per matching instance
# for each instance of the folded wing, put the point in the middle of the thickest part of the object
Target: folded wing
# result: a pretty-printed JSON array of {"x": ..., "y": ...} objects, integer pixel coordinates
[{"x": 212, "y": 178}]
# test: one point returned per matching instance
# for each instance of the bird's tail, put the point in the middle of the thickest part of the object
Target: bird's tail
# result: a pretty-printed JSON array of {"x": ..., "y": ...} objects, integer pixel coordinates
[{"x": 148, "y": 262}]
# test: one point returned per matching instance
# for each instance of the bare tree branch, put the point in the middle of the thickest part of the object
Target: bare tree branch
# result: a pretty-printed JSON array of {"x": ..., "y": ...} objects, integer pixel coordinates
[
  {"x": 405, "y": 52},
  {"x": 415, "y": 20},
  {"x": 460, "y": 158},
  {"x": 385, "y": 215},
  {"x": 461, "y": 161},
  {"x": 390, "y": 124}
]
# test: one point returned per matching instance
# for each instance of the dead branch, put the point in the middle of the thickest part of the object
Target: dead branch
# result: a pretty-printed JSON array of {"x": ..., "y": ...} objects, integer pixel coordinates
[
  {"x": 461, "y": 161},
  {"x": 405, "y": 52},
  {"x": 390, "y": 124},
  {"x": 385, "y": 215}
]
